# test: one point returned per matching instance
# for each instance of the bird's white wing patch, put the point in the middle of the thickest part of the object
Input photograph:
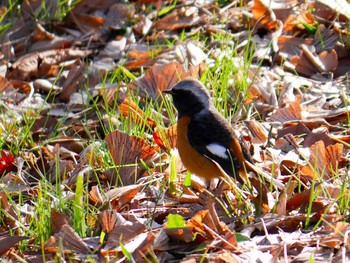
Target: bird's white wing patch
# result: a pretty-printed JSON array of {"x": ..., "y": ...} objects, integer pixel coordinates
[{"x": 218, "y": 150}]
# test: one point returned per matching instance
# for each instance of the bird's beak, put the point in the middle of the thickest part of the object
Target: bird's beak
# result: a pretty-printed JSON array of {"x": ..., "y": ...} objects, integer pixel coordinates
[{"x": 169, "y": 91}]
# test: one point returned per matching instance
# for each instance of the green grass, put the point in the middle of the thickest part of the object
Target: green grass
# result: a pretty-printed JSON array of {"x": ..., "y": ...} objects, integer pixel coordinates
[{"x": 228, "y": 82}]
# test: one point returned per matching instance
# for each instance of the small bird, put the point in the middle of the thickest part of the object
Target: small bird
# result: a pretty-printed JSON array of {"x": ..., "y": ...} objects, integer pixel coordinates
[{"x": 206, "y": 142}]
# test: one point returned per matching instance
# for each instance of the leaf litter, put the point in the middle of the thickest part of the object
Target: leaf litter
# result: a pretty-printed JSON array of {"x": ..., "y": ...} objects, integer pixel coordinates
[{"x": 295, "y": 117}]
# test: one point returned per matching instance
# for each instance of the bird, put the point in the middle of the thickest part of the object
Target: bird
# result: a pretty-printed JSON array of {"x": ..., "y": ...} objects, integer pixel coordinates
[{"x": 207, "y": 144}]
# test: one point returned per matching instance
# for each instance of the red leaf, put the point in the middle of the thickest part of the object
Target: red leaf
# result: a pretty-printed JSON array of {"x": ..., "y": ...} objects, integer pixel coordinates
[{"x": 7, "y": 162}]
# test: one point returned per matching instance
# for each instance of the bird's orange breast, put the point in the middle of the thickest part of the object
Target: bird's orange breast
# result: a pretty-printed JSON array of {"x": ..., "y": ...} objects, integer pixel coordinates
[{"x": 190, "y": 157}]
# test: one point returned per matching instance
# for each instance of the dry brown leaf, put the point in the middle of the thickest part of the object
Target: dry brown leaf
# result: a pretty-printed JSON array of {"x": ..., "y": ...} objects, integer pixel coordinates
[
  {"x": 14, "y": 91},
  {"x": 297, "y": 22},
  {"x": 140, "y": 53},
  {"x": 337, "y": 116},
  {"x": 230, "y": 242},
  {"x": 10, "y": 217},
  {"x": 261, "y": 92},
  {"x": 337, "y": 238},
  {"x": 261, "y": 200},
  {"x": 299, "y": 199},
  {"x": 258, "y": 132},
  {"x": 214, "y": 222},
  {"x": 324, "y": 161},
  {"x": 341, "y": 138},
  {"x": 6, "y": 243},
  {"x": 318, "y": 161},
  {"x": 69, "y": 239},
  {"x": 45, "y": 63},
  {"x": 181, "y": 18},
  {"x": 225, "y": 257},
  {"x": 319, "y": 134},
  {"x": 111, "y": 93},
  {"x": 128, "y": 108},
  {"x": 95, "y": 196},
  {"x": 120, "y": 196},
  {"x": 124, "y": 233},
  {"x": 33, "y": 8},
  {"x": 273, "y": 222},
  {"x": 287, "y": 143},
  {"x": 119, "y": 15},
  {"x": 144, "y": 248},
  {"x": 139, "y": 248},
  {"x": 204, "y": 223},
  {"x": 289, "y": 45},
  {"x": 71, "y": 144},
  {"x": 294, "y": 128},
  {"x": 343, "y": 67},
  {"x": 188, "y": 196},
  {"x": 58, "y": 220},
  {"x": 135, "y": 64},
  {"x": 109, "y": 220},
  {"x": 44, "y": 40},
  {"x": 127, "y": 150},
  {"x": 6, "y": 88},
  {"x": 286, "y": 94},
  {"x": 329, "y": 60},
  {"x": 265, "y": 18},
  {"x": 325, "y": 39},
  {"x": 334, "y": 155},
  {"x": 281, "y": 205},
  {"x": 85, "y": 22},
  {"x": 319, "y": 207},
  {"x": 264, "y": 15},
  {"x": 289, "y": 113},
  {"x": 76, "y": 74},
  {"x": 58, "y": 170},
  {"x": 26, "y": 67},
  {"x": 309, "y": 63},
  {"x": 159, "y": 78},
  {"x": 184, "y": 234},
  {"x": 40, "y": 34},
  {"x": 166, "y": 139},
  {"x": 332, "y": 10},
  {"x": 43, "y": 126}
]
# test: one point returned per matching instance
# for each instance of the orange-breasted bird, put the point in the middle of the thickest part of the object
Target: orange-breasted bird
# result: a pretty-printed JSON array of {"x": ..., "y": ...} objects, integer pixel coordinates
[{"x": 205, "y": 139}]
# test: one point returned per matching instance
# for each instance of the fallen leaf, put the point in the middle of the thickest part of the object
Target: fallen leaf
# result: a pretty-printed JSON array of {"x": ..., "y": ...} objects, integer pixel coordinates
[
  {"x": 6, "y": 243},
  {"x": 119, "y": 16},
  {"x": 58, "y": 220},
  {"x": 69, "y": 239},
  {"x": 258, "y": 132},
  {"x": 74, "y": 77},
  {"x": 166, "y": 139},
  {"x": 180, "y": 18},
  {"x": 124, "y": 233},
  {"x": 264, "y": 15},
  {"x": 122, "y": 195},
  {"x": 159, "y": 78},
  {"x": 289, "y": 113},
  {"x": 127, "y": 150},
  {"x": 129, "y": 108}
]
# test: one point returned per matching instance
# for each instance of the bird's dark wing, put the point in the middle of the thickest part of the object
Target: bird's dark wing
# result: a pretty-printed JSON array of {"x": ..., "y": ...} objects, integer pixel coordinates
[{"x": 211, "y": 135}]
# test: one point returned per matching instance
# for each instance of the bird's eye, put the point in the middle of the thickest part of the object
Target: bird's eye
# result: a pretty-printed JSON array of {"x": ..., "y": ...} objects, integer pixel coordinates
[{"x": 174, "y": 92}]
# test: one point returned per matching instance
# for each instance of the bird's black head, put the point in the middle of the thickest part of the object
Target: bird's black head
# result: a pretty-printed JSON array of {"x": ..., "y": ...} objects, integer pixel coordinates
[{"x": 190, "y": 96}]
